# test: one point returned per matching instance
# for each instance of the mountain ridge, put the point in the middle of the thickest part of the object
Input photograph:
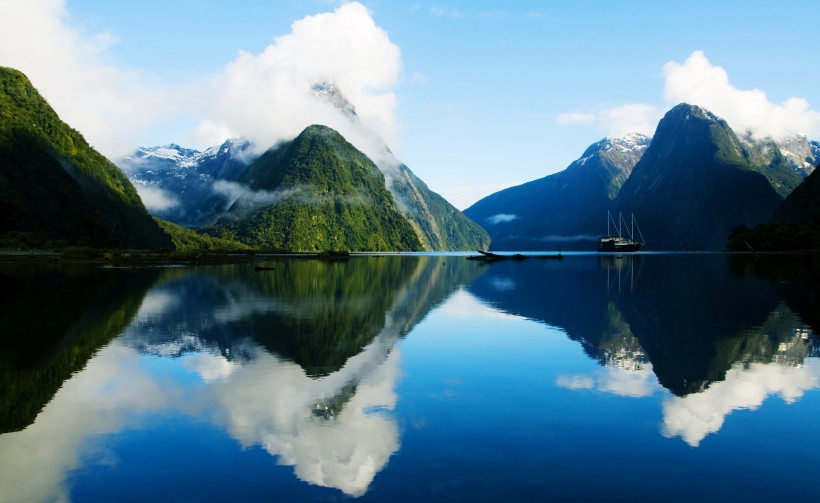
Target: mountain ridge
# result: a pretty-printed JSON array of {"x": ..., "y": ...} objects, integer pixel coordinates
[
  {"x": 695, "y": 181},
  {"x": 55, "y": 189},
  {"x": 564, "y": 210},
  {"x": 688, "y": 186},
  {"x": 316, "y": 192}
]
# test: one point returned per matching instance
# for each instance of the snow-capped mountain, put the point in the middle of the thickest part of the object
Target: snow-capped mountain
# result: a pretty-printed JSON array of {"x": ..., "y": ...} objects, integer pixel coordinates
[
  {"x": 623, "y": 151},
  {"x": 800, "y": 153},
  {"x": 438, "y": 224},
  {"x": 328, "y": 91},
  {"x": 563, "y": 210},
  {"x": 177, "y": 184}
]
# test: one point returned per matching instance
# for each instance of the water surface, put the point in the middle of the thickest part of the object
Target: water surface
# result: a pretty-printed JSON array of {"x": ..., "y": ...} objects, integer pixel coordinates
[{"x": 413, "y": 378}]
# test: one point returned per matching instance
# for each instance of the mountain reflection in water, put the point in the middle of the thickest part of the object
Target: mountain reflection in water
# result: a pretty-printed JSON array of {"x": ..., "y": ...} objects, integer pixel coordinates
[
  {"x": 299, "y": 360},
  {"x": 222, "y": 382},
  {"x": 712, "y": 329}
]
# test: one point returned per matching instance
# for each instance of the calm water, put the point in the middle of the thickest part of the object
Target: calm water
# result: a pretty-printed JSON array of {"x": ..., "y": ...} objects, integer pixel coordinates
[{"x": 413, "y": 378}]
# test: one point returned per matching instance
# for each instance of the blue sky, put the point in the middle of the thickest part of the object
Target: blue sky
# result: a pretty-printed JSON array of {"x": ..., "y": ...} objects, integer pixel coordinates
[{"x": 472, "y": 96}]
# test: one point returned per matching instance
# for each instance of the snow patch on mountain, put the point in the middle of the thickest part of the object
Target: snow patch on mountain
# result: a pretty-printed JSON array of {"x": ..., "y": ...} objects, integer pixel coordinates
[{"x": 801, "y": 154}]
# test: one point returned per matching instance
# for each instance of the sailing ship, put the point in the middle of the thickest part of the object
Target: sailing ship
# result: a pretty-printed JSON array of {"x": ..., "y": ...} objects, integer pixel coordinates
[{"x": 620, "y": 243}]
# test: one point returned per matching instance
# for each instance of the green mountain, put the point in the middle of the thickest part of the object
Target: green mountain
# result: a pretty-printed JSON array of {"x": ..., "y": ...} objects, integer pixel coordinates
[
  {"x": 188, "y": 240},
  {"x": 438, "y": 224},
  {"x": 566, "y": 209},
  {"x": 697, "y": 181},
  {"x": 317, "y": 192},
  {"x": 54, "y": 188}
]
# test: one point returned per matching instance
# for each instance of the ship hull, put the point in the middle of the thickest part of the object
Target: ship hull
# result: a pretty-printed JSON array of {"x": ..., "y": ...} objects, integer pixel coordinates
[{"x": 618, "y": 245}]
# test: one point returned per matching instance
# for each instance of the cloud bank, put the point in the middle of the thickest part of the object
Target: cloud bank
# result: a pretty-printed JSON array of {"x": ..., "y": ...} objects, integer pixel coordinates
[
  {"x": 265, "y": 97},
  {"x": 156, "y": 199},
  {"x": 109, "y": 105},
  {"x": 618, "y": 121},
  {"x": 268, "y": 97},
  {"x": 699, "y": 82}
]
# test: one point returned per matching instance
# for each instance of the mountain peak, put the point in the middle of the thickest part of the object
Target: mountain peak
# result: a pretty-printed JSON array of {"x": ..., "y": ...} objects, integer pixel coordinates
[
  {"x": 234, "y": 148},
  {"x": 318, "y": 192},
  {"x": 328, "y": 91},
  {"x": 628, "y": 143}
]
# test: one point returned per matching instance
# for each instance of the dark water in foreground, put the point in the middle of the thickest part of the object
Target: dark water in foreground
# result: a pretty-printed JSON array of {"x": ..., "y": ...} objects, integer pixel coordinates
[{"x": 413, "y": 378}]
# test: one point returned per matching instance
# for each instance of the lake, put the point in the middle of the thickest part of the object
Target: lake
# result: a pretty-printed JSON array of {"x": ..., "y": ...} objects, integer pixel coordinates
[{"x": 652, "y": 377}]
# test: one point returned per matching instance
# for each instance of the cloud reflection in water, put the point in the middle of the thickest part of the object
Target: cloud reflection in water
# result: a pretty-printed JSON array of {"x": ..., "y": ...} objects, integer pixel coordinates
[{"x": 695, "y": 416}]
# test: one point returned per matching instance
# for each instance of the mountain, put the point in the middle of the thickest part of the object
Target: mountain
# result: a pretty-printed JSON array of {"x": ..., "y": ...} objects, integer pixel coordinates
[
  {"x": 697, "y": 180},
  {"x": 296, "y": 311},
  {"x": 566, "y": 209},
  {"x": 437, "y": 223},
  {"x": 317, "y": 192},
  {"x": 795, "y": 224},
  {"x": 801, "y": 154},
  {"x": 177, "y": 184},
  {"x": 803, "y": 204},
  {"x": 55, "y": 189},
  {"x": 686, "y": 318},
  {"x": 187, "y": 187}
]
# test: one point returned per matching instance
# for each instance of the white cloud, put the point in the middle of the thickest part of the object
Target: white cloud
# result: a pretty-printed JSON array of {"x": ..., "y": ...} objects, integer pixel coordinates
[
  {"x": 635, "y": 383},
  {"x": 630, "y": 118},
  {"x": 575, "y": 382},
  {"x": 156, "y": 303},
  {"x": 267, "y": 97},
  {"x": 252, "y": 198},
  {"x": 501, "y": 218},
  {"x": 111, "y": 393},
  {"x": 156, "y": 199},
  {"x": 107, "y": 104},
  {"x": 462, "y": 304},
  {"x": 271, "y": 403},
  {"x": 699, "y": 82},
  {"x": 617, "y": 121},
  {"x": 695, "y": 416},
  {"x": 266, "y": 401}
]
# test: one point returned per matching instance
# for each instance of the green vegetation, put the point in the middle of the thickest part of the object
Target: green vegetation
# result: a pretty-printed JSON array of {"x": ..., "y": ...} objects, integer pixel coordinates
[
  {"x": 55, "y": 190},
  {"x": 320, "y": 193},
  {"x": 189, "y": 240},
  {"x": 438, "y": 224}
]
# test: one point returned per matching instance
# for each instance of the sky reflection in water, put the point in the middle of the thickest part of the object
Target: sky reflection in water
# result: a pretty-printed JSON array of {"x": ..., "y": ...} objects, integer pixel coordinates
[{"x": 423, "y": 377}]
